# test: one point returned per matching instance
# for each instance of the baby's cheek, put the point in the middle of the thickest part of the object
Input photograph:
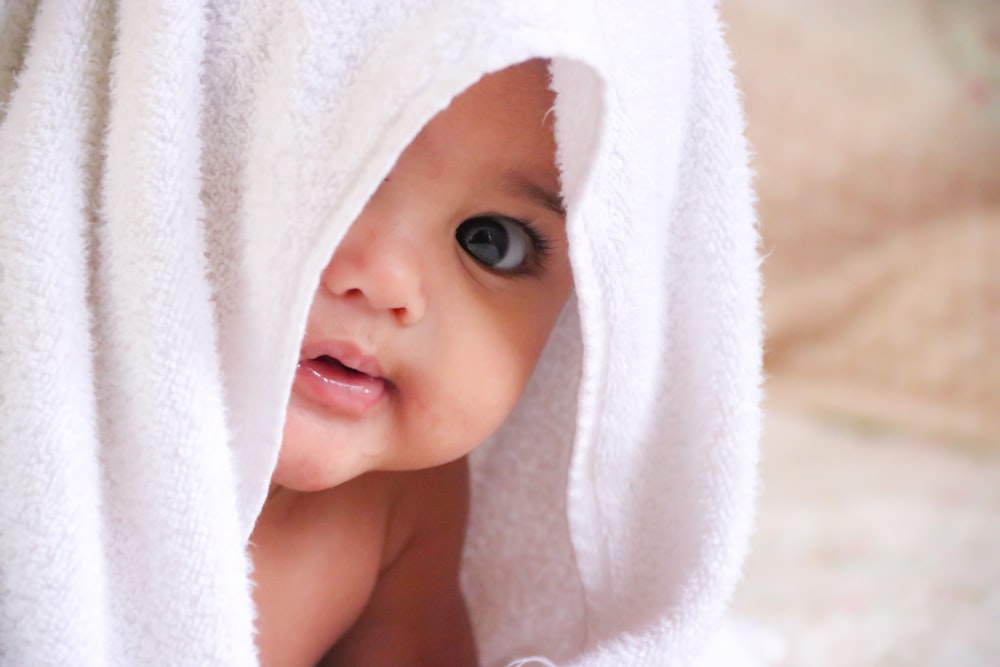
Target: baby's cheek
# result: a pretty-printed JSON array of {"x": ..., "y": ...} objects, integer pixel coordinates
[
  {"x": 507, "y": 379},
  {"x": 484, "y": 401}
]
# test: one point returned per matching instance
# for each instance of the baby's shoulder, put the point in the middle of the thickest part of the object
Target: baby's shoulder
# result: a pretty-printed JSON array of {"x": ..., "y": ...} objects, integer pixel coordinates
[
  {"x": 317, "y": 558},
  {"x": 375, "y": 543},
  {"x": 428, "y": 504},
  {"x": 416, "y": 614}
]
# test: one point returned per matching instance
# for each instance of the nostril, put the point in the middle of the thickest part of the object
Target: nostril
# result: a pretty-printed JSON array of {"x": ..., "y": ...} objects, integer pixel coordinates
[{"x": 384, "y": 276}]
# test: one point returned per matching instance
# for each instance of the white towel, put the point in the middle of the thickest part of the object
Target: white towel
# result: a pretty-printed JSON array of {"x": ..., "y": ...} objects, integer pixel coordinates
[{"x": 173, "y": 178}]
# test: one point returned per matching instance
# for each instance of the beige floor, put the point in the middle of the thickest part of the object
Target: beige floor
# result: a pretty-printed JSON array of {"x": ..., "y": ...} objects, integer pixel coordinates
[{"x": 873, "y": 548}]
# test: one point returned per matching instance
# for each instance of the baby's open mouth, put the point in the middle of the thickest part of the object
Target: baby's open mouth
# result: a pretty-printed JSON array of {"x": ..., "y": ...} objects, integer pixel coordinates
[
  {"x": 338, "y": 366},
  {"x": 335, "y": 370},
  {"x": 352, "y": 386}
]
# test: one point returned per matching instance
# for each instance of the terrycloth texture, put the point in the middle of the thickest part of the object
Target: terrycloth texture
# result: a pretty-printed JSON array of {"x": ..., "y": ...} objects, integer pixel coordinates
[{"x": 173, "y": 178}]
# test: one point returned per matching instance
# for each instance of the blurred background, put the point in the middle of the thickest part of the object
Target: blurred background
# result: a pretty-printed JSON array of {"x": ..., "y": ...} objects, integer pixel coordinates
[{"x": 876, "y": 135}]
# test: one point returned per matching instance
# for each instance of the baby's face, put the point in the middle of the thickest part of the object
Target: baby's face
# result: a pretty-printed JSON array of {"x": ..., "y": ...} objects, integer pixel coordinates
[{"x": 435, "y": 307}]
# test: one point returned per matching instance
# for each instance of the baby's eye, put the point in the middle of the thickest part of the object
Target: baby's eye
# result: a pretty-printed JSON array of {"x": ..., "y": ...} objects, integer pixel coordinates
[{"x": 498, "y": 243}]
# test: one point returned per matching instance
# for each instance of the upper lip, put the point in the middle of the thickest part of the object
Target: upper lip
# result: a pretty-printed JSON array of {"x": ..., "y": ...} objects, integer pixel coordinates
[{"x": 346, "y": 353}]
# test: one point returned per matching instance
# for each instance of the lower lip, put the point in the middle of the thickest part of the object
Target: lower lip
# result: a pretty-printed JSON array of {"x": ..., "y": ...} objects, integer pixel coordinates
[{"x": 339, "y": 389}]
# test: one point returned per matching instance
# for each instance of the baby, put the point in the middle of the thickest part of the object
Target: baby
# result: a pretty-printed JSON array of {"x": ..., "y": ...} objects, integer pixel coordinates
[{"x": 422, "y": 334}]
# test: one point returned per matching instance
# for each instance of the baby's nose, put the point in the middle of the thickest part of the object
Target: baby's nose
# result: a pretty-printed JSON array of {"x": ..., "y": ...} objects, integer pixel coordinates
[{"x": 377, "y": 262}]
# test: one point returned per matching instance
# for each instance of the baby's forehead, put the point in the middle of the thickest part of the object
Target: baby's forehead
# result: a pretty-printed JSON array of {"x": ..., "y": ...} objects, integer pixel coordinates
[
  {"x": 528, "y": 187},
  {"x": 499, "y": 129},
  {"x": 513, "y": 100}
]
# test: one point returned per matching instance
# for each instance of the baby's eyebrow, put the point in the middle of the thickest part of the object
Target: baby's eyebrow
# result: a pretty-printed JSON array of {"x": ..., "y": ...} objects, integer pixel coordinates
[{"x": 522, "y": 186}]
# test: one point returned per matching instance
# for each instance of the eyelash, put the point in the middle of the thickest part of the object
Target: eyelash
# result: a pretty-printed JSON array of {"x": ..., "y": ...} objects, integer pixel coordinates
[{"x": 541, "y": 248}]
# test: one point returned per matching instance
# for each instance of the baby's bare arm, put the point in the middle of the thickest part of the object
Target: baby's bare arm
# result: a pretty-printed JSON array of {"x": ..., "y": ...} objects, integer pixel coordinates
[{"x": 416, "y": 614}]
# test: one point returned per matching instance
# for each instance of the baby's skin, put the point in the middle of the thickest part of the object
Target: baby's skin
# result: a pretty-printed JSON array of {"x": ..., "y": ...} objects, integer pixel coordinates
[{"x": 424, "y": 330}]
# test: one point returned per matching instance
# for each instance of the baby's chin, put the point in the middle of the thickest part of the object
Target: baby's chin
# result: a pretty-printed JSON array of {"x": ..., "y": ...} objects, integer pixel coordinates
[
  {"x": 319, "y": 451},
  {"x": 310, "y": 464},
  {"x": 305, "y": 478}
]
